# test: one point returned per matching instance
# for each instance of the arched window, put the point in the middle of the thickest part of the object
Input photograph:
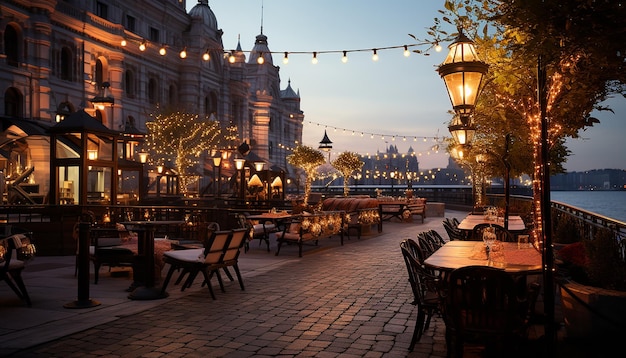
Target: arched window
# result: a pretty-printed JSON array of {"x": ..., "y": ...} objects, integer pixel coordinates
[
  {"x": 12, "y": 45},
  {"x": 153, "y": 91},
  {"x": 99, "y": 73},
  {"x": 66, "y": 64},
  {"x": 211, "y": 104},
  {"x": 13, "y": 102},
  {"x": 173, "y": 96},
  {"x": 129, "y": 82}
]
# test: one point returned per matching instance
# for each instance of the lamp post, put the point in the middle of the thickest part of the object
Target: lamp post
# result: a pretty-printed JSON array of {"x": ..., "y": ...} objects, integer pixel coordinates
[
  {"x": 239, "y": 165},
  {"x": 326, "y": 145},
  {"x": 104, "y": 97},
  {"x": 217, "y": 166}
]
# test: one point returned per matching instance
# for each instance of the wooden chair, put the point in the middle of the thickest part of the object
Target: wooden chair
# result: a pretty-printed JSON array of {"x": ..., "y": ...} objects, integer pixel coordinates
[
  {"x": 501, "y": 233},
  {"x": 424, "y": 286},
  {"x": 11, "y": 266},
  {"x": 221, "y": 250},
  {"x": 486, "y": 305}
]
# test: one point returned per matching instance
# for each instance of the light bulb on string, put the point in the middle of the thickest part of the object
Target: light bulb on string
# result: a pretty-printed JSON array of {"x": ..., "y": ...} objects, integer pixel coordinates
[
  {"x": 206, "y": 56},
  {"x": 344, "y": 58},
  {"x": 123, "y": 43},
  {"x": 375, "y": 55},
  {"x": 314, "y": 59},
  {"x": 142, "y": 46},
  {"x": 231, "y": 58},
  {"x": 260, "y": 60},
  {"x": 162, "y": 51},
  {"x": 183, "y": 53},
  {"x": 286, "y": 58},
  {"x": 407, "y": 53}
]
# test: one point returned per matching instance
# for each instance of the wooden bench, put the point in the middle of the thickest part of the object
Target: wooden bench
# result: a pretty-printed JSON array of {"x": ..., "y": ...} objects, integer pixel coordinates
[{"x": 311, "y": 227}]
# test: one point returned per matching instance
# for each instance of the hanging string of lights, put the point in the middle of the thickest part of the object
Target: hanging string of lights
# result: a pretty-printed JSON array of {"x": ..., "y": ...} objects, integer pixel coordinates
[
  {"x": 383, "y": 137},
  {"x": 145, "y": 45}
]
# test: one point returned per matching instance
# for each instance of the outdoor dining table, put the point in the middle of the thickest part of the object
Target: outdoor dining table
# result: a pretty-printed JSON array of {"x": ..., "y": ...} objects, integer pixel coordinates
[
  {"x": 458, "y": 253},
  {"x": 145, "y": 235},
  {"x": 278, "y": 218},
  {"x": 516, "y": 223}
]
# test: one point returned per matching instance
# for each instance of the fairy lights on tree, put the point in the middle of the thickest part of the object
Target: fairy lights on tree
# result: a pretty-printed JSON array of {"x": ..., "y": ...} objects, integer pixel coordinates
[
  {"x": 347, "y": 163},
  {"x": 308, "y": 159},
  {"x": 181, "y": 137}
]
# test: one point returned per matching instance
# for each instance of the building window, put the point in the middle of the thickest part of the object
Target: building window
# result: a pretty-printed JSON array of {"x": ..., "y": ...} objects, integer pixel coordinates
[
  {"x": 129, "y": 82},
  {"x": 153, "y": 91},
  {"x": 99, "y": 72},
  {"x": 172, "y": 96},
  {"x": 11, "y": 46},
  {"x": 66, "y": 64},
  {"x": 102, "y": 10},
  {"x": 154, "y": 35},
  {"x": 13, "y": 102},
  {"x": 130, "y": 23}
]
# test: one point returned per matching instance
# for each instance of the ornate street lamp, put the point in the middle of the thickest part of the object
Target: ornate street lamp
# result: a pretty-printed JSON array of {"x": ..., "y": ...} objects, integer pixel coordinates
[
  {"x": 462, "y": 133},
  {"x": 462, "y": 72},
  {"x": 326, "y": 145},
  {"x": 239, "y": 165}
]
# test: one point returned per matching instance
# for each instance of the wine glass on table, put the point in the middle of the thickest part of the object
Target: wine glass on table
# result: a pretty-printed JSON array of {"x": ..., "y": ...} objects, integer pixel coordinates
[{"x": 489, "y": 238}]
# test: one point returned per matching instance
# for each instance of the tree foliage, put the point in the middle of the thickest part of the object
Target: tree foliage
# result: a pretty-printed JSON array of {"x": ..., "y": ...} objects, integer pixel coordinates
[
  {"x": 308, "y": 159},
  {"x": 347, "y": 163},
  {"x": 181, "y": 137}
]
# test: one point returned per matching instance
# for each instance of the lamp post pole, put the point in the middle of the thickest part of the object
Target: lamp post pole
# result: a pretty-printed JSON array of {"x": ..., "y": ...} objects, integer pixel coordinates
[
  {"x": 217, "y": 166},
  {"x": 239, "y": 165}
]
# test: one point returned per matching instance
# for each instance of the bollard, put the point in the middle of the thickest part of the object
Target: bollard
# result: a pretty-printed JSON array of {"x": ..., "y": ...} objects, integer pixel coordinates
[{"x": 83, "y": 300}]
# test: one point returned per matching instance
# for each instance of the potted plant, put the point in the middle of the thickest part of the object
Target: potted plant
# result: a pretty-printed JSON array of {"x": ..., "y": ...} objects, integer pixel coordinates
[{"x": 593, "y": 289}]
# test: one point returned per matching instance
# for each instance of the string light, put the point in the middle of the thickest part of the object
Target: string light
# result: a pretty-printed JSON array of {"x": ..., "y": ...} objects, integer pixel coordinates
[
  {"x": 435, "y": 139},
  {"x": 314, "y": 59},
  {"x": 162, "y": 51},
  {"x": 123, "y": 42},
  {"x": 344, "y": 58},
  {"x": 183, "y": 53},
  {"x": 407, "y": 53},
  {"x": 286, "y": 58},
  {"x": 375, "y": 56},
  {"x": 142, "y": 46},
  {"x": 231, "y": 58},
  {"x": 206, "y": 56},
  {"x": 260, "y": 60}
]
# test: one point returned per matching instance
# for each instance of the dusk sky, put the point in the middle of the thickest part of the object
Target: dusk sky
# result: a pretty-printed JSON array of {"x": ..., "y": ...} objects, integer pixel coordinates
[{"x": 365, "y": 105}]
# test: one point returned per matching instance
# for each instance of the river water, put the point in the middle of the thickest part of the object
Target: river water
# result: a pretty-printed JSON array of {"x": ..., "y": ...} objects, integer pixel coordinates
[{"x": 611, "y": 204}]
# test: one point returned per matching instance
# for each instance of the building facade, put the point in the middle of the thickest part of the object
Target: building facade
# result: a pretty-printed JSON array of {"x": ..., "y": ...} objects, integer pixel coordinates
[{"x": 60, "y": 56}]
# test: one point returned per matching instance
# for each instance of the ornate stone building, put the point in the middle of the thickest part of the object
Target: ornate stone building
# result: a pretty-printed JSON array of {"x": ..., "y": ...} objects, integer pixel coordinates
[{"x": 59, "y": 56}]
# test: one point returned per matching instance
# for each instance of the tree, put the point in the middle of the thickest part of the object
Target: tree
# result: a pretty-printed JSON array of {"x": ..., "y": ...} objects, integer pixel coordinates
[
  {"x": 181, "y": 137},
  {"x": 347, "y": 163},
  {"x": 308, "y": 159}
]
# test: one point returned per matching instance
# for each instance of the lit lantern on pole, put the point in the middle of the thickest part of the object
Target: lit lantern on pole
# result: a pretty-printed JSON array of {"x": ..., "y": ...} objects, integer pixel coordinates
[{"x": 462, "y": 72}]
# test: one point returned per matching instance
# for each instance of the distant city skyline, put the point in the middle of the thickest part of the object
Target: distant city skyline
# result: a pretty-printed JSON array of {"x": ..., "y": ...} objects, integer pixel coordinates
[{"x": 396, "y": 100}]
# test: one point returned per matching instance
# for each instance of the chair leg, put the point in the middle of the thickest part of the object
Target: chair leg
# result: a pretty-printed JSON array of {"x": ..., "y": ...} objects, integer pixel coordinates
[
  {"x": 236, "y": 267},
  {"x": 167, "y": 278},
  {"x": 219, "y": 279},
  {"x": 207, "y": 280},
  {"x": 21, "y": 291},
  {"x": 419, "y": 328},
  {"x": 230, "y": 276}
]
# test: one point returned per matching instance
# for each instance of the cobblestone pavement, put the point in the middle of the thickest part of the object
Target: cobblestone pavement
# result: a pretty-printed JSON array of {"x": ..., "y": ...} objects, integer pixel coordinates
[{"x": 335, "y": 301}]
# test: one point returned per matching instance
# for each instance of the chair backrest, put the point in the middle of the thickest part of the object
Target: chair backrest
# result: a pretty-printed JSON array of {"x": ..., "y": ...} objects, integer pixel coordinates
[
  {"x": 415, "y": 249},
  {"x": 436, "y": 237},
  {"x": 453, "y": 232},
  {"x": 9, "y": 247},
  {"x": 421, "y": 281},
  {"x": 485, "y": 301},
  {"x": 501, "y": 233},
  {"x": 237, "y": 240},
  {"x": 214, "y": 246},
  {"x": 426, "y": 244}
]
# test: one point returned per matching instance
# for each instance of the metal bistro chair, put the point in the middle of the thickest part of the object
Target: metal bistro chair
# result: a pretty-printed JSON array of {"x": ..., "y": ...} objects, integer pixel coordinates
[
  {"x": 424, "y": 286},
  {"x": 486, "y": 305},
  {"x": 12, "y": 265}
]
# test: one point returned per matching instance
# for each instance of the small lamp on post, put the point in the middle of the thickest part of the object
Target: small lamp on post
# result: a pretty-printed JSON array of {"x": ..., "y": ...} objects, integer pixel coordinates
[
  {"x": 103, "y": 98},
  {"x": 217, "y": 166},
  {"x": 239, "y": 165},
  {"x": 326, "y": 145}
]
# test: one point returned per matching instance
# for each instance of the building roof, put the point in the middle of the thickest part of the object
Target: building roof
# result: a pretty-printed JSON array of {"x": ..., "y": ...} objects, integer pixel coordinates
[
  {"x": 204, "y": 12},
  {"x": 289, "y": 92}
]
